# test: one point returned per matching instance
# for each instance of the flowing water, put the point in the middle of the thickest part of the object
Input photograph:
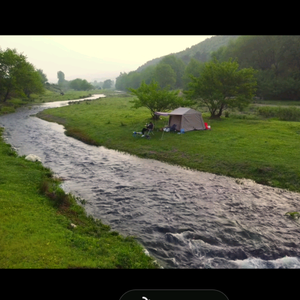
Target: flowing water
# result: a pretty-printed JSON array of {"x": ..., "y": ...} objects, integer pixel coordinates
[{"x": 184, "y": 218}]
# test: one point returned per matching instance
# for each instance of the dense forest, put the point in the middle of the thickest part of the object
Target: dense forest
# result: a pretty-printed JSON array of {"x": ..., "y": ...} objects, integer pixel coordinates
[
  {"x": 178, "y": 63},
  {"x": 276, "y": 60},
  {"x": 200, "y": 52}
]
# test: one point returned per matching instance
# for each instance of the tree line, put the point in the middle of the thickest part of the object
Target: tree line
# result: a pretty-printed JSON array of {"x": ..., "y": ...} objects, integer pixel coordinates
[
  {"x": 169, "y": 73},
  {"x": 276, "y": 60},
  {"x": 81, "y": 84},
  {"x": 19, "y": 78}
]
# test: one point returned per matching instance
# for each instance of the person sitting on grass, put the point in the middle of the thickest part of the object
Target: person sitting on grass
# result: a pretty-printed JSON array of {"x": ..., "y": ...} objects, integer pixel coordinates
[
  {"x": 148, "y": 127},
  {"x": 173, "y": 128}
]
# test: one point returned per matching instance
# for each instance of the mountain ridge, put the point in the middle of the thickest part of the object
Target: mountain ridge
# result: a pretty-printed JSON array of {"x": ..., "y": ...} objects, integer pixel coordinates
[{"x": 200, "y": 51}]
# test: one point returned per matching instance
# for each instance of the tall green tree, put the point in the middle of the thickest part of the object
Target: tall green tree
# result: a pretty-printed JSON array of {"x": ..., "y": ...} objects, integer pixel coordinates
[
  {"x": 43, "y": 76},
  {"x": 165, "y": 76},
  {"x": 18, "y": 77},
  {"x": 222, "y": 85},
  {"x": 31, "y": 80},
  {"x": 122, "y": 81},
  {"x": 148, "y": 74},
  {"x": 193, "y": 68},
  {"x": 107, "y": 84},
  {"x": 61, "y": 77},
  {"x": 178, "y": 67},
  {"x": 155, "y": 98},
  {"x": 133, "y": 80},
  {"x": 80, "y": 85}
]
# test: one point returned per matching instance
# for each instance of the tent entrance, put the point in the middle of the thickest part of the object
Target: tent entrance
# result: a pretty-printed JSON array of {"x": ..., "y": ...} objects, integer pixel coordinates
[{"x": 175, "y": 120}]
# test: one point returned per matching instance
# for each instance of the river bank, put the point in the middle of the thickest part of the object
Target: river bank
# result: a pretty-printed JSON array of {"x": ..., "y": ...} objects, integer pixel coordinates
[
  {"x": 263, "y": 150},
  {"x": 43, "y": 227}
]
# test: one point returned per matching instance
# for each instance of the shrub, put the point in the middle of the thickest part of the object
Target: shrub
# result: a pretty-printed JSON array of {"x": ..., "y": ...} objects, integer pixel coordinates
[
  {"x": 282, "y": 113},
  {"x": 7, "y": 110},
  {"x": 289, "y": 114}
]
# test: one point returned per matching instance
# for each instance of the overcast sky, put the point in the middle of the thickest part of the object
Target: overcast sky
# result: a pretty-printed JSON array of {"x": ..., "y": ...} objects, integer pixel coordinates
[{"x": 95, "y": 57}]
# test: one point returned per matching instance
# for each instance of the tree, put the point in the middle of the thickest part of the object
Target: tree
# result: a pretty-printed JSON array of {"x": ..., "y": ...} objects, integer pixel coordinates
[
  {"x": 85, "y": 86},
  {"x": 30, "y": 80},
  {"x": 44, "y": 78},
  {"x": 17, "y": 76},
  {"x": 156, "y": 99},
  {"x": 222, "y": 85},
  {"x": 61, "y": 77},
  {"x": 133, "y": 80},
  {"x": 80, "y": 85},
  {"x": 62, "y": 83},
  {"x": 193, "y": 68},
  {"x": 107, "y": 84},
  {"x": 121, "y": 81},
  {"x": 177, "y": 66},
  {"x": 165, "y": 76}
]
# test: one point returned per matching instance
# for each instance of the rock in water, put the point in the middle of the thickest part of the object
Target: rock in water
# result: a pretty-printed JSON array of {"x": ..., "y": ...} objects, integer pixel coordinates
[{"x": 33, "y": 157}]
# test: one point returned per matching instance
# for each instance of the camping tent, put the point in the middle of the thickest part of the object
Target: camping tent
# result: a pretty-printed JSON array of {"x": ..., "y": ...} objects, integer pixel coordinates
[{"x": 187, "y": 119}]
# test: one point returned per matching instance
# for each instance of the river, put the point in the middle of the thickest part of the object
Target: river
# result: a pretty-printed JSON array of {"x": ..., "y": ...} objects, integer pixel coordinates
[{"x": 184, "y": 218}]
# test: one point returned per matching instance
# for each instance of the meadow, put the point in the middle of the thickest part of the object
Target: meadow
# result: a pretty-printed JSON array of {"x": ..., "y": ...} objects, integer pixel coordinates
[{"x": 245, "y": 144}]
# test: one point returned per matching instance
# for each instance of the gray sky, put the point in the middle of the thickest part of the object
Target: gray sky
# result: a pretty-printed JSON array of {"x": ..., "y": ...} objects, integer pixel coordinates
[{"x": 95, "y": 57}]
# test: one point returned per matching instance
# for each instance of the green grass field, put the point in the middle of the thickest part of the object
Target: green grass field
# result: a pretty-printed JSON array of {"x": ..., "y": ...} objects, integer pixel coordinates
[
  {"x": 36, "y": 224},
  {"x": 242, "y": 145}
]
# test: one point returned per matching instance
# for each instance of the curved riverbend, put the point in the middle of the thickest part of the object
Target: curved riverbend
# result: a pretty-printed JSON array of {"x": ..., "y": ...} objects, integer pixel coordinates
[{"x": 184, "y": 218}]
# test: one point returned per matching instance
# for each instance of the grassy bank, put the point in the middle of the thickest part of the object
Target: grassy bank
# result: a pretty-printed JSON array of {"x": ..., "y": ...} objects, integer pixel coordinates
[
  {"x": 49, "y": 96},
  {"x": 241, "y": 146},
  {"x": 42, "y": 227}
]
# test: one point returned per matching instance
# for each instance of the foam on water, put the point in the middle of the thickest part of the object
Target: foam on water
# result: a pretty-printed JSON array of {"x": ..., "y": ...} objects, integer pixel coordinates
[{"x": 280, "y": 263}]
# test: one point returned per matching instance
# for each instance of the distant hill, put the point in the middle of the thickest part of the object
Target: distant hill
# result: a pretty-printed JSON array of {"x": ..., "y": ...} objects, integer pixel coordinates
[{"x": 200, "y": 52}]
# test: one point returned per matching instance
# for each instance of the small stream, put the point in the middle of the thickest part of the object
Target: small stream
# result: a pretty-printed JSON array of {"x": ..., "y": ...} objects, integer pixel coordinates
[{"x": 184, "y": 218}]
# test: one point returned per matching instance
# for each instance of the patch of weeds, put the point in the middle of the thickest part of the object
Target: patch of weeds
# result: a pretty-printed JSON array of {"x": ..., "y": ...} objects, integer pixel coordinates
[
  {"x": 122, "y": 124},
  {"x": 293, "y": 215},
  {"x": 53, "y": 192},
  {"x": 7, "y": 110},
  {"x": 81, "y": 200},
  {"x": 264, "y": 170},
  {"x": 80, "y": 135},
  {"x": 238, "y": 181}
]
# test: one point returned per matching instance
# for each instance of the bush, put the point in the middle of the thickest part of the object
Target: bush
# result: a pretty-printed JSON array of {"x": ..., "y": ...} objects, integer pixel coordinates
[
  {"x": 6, "y": 110},
  {"x": 282, "y": 113},
  {"x": 289, "y": 114}
]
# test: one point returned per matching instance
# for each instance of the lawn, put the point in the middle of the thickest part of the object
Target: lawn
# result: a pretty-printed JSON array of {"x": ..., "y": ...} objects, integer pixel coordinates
[{"x": 241, "y": 146}]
